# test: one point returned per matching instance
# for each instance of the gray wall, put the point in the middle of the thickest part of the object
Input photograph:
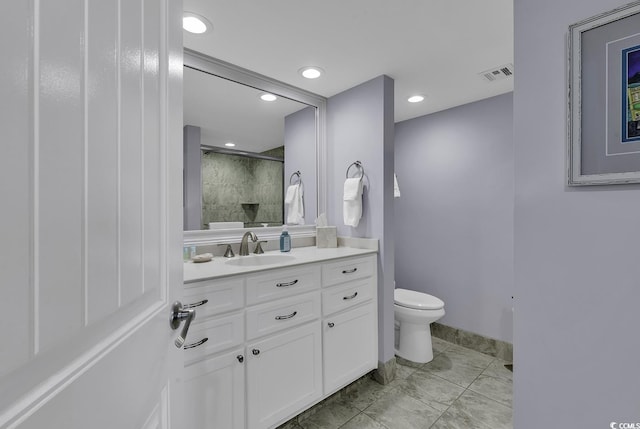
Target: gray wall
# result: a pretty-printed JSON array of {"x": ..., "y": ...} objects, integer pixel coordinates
[
  {"x": 577, "y": 276},
  {"x": 300, "y": 155},
  {"x": 360, "y": 127},
  {"x": 192, "y": 180},
  {"x": 454, "y": 220}
]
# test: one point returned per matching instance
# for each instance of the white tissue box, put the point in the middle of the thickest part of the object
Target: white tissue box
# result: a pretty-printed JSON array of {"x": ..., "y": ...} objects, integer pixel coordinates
[{"x": 326, "y": 236}]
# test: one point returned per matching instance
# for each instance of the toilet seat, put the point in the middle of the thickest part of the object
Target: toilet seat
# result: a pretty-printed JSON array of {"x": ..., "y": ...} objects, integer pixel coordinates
[{"x": 417, "y": 300}]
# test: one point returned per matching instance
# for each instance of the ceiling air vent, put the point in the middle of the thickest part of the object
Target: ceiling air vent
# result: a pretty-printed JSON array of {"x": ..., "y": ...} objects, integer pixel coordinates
[{"x": 498, "y": 73}]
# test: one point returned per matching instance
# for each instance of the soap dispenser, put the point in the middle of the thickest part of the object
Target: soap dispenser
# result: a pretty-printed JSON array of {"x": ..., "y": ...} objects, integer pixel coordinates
[{"x": 285, "y": 240}]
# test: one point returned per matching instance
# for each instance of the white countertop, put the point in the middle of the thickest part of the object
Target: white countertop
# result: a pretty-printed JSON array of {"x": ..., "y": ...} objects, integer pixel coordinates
[{"x": 218, "y": 266}]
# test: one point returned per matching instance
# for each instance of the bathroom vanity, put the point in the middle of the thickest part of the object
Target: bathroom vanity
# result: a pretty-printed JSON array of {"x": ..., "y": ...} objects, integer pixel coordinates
[{"x": 275, "y": 335}]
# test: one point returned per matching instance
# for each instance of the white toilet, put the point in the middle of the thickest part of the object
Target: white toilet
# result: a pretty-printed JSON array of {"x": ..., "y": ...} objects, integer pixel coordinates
[{"x": 414, "y": 312}]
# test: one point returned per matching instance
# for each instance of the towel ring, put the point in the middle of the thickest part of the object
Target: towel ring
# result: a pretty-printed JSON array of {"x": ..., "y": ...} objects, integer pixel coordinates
[
  {"x": 295, "y": 173},
  {"x": 359, "y": 166}
]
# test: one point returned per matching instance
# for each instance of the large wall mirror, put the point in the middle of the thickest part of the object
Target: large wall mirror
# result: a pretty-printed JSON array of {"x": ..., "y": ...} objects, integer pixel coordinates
[{"x": 229, "y": 189}]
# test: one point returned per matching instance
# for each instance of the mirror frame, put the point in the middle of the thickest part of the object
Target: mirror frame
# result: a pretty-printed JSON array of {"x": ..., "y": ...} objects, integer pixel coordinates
[{"x": 198, "y": 61}]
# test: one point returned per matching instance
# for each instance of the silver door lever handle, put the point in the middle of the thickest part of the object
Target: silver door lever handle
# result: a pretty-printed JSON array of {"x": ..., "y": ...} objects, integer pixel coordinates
[{"x": 178, "y": 314}]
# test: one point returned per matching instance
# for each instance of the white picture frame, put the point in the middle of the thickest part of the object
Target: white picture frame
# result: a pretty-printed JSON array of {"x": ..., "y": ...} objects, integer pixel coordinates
[{"x": 600, "y": 151}]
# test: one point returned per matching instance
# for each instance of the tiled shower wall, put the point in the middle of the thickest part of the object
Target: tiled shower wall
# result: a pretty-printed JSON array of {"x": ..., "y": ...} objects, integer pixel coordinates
[{"x": 237, "y": 188}]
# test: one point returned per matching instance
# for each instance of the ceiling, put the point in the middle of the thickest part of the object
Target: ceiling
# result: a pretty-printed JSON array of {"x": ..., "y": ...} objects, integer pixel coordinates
[
  {"x": 436, "y": 48},
  {"x": 228, "y": 112}
]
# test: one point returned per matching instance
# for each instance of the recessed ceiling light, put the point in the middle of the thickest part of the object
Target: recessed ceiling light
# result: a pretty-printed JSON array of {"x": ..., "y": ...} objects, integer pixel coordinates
[
  {"x": 311, "y": 72},
  {"x": 229, "y": 144},
  {"x": 415, "y": 99},
  {"x": 194, "y": 23},
  {"x": 268, "y": 97}
]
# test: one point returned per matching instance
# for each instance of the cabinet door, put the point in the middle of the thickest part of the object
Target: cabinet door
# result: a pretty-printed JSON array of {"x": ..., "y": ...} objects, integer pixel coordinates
[
  {"x": 284, "y": 375},
  {"x": 214, "y": 392},
  {"x": 350, "y": 346}
]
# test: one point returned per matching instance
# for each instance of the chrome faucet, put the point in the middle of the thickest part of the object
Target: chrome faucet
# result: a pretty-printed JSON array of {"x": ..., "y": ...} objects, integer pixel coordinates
[{"x": 244, "y": 244}]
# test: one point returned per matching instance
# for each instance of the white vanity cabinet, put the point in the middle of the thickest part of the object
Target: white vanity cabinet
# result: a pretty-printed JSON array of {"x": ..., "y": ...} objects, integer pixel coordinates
[
  {"x": 350, "y": 323},
  {"x": 268, "y": 344},
  {"x": 284, "y": 349},
  {"x": 214, "y": 377}
]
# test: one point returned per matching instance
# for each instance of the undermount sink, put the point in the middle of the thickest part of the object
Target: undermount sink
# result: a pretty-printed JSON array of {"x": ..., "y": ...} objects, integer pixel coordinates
[{"x": 258, "y": 260}]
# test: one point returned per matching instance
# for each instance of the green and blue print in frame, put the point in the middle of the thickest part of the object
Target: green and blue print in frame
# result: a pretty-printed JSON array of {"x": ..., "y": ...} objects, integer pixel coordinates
[
  {"x": 631, "y": 94},
  {"x": 603, "y": 141}
]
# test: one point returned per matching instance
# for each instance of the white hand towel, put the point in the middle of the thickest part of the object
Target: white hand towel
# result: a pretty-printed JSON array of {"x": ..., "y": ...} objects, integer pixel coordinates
[
  {"x": 352, "y": 204},
  {"x": 291, "y": 193},
  {"x": 294, "y": 199},
  {"x": 396, "y": 188},
  {"x": 352, "y": 188}
]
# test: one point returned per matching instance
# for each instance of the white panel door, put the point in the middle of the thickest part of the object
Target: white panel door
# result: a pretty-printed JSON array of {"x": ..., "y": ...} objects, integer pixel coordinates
[{"x": 91, "y": 219}]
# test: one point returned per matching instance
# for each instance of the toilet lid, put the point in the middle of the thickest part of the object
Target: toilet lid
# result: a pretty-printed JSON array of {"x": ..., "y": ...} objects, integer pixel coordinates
[{"x": 417, "y": 300}]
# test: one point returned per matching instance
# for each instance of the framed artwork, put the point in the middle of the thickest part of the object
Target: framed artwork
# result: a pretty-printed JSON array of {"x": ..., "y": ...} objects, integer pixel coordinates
[{"x": 604, "y": 99}]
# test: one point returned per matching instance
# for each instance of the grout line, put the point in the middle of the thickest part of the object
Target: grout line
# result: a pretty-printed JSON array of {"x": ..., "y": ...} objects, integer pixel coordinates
[
  {"x": 362, "y": 412},
  {"x": 490, "y": 399},
  {"x": 347, "y": 422},
  {"x": 487, "y": 397},
  {"x": 453, "y": 382},
  {"x": 454, "y": 402}
]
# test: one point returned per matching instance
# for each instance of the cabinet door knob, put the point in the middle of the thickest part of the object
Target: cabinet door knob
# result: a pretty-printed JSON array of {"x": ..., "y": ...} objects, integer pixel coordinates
[
  {"x": 240, "y": 358},
  {"x": 331, "y": 324},
  {"x": 255, "y": 352}
]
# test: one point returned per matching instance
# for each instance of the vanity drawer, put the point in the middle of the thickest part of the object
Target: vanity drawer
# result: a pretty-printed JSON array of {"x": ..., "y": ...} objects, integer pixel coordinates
[
  {"x": 270, "y": 285},
  {"x": 285, "y": 313},
  {"x": 346, "y": 270},
  {"x": 213, "y": 335},
  {"x": 345, "y": 296},
  {"x": 213, "y": 297}
]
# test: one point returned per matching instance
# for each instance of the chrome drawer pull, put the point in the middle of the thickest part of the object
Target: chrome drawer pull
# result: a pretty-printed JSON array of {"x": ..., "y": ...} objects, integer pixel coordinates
[
  {"x": 288, "y": 316},
  {"x": 350, "y": 297},
  {"x": 196, "y": 304},
  {"x": 287, "y": 284},
  {"x": 199, "y": 343},
  {"x": 353, "y": 270}
]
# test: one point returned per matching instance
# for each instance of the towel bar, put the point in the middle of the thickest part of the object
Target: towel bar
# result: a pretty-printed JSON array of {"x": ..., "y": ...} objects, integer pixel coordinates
[
  {"x": 358, "y": 165},
  {"x": 295, "y": 173}
]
